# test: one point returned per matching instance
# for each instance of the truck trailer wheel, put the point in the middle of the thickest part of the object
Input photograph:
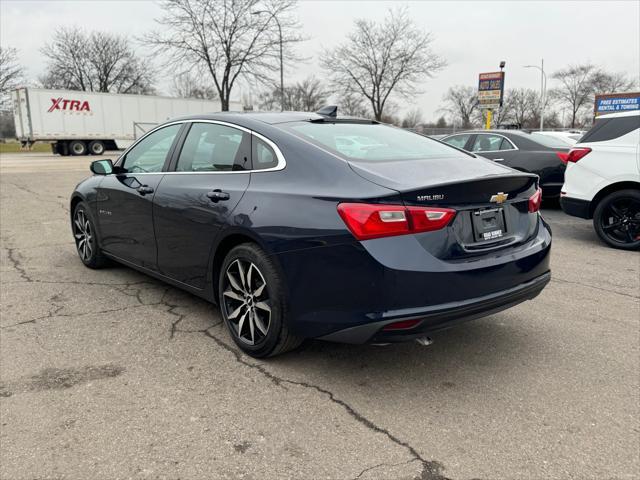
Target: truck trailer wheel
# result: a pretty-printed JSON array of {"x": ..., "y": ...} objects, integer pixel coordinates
[
  {"x": 96, "y": 147},
  {"x": 78, "y": 147}
]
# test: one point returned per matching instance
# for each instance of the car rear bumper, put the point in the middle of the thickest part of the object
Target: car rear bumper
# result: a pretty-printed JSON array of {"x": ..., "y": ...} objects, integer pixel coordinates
[
  {"x": 576, "y": 207},
  {"x": 347, "y": 286},
  {"x": 439, "y": 317}
]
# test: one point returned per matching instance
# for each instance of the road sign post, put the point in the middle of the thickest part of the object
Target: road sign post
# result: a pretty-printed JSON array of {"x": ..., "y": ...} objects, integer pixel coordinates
[
  {"x": 487, "y": 125},
  {"x": 490, "y": 93}
]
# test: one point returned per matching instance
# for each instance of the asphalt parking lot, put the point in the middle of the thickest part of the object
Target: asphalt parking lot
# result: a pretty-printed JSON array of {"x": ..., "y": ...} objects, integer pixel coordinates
[{"x": 111, "y": 374}]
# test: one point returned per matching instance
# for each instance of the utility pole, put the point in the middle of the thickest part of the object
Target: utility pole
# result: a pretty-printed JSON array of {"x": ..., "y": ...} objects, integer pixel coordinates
[
  {"x": 273, "y": 15},
  {"x": 543, "y": 89}
]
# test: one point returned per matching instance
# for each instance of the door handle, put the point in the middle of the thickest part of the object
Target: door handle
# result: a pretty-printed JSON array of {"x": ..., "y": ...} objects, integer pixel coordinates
[
  {"x": 217, "y": 195},
  {"x": 144, "y": 189},
  {"x": 498, "y": 159}
]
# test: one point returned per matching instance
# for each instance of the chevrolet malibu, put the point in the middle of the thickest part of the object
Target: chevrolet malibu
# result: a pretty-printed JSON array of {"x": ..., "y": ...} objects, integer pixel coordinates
[{"x": 295, "y": 234}]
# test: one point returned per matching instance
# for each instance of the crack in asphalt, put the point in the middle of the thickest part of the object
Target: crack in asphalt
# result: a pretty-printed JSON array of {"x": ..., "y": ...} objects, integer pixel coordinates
[
  {"x": 368, "y": 469},
  {"x": 12, "y": 255},
  {"x": 561, "y": 280},
  {"x": 23, "y": 189},
  {"x": 431, "y": 469},
  {"x": 171, "y": 311},
  {"x": 71, "y": 315}
]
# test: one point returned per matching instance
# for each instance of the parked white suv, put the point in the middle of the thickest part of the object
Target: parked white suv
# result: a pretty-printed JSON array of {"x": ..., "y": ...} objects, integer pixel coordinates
[{"x": 602, "y": 179}]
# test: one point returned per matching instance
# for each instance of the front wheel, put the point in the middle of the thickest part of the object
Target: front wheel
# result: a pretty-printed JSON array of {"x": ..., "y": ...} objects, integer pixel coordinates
[
  {"x": 252, "y": 302},
  {"x": 617, "y": 219},
  {"x": 84, "y": 234}
]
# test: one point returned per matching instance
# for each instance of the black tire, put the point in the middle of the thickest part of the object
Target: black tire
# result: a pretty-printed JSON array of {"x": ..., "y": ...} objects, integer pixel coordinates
[
  {"x": 245, "y": 308},
  {"x": 96, "y": 147},
  {"x": 63, "y": 149},
  {"x": 89, "y": 250},
  {"x": 77, "y": 148},
  {"x": 617, "y": 219}
]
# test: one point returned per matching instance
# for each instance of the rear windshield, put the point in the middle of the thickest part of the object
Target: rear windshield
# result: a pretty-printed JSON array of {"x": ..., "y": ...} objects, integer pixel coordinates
[
  {"x": 371, "y": 142},
  {"x": 610, "y": 128},
  {"x": 549, "y": 141}
]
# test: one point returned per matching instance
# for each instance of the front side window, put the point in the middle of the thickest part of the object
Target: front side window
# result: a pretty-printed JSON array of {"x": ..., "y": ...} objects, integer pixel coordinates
[
  {"x": 210, "y": 147},
  {"x": 151, "y": 152},
  {"x": 458, "y": 141},
  {"x": 490, "y": 143},
  {"x": 369, "y": 142}
]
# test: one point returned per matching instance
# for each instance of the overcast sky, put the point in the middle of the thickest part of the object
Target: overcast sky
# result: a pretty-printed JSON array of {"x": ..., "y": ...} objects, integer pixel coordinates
[{"x": 472, "y": 36}]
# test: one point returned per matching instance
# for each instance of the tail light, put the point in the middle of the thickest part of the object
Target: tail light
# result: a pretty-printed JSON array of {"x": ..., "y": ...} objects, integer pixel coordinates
[
  {"x": 535, "y": 200},
  {"x": 577, "y": 153},
  {"x": 367, "y": 221},
  {"x": 563, "y": 156}
]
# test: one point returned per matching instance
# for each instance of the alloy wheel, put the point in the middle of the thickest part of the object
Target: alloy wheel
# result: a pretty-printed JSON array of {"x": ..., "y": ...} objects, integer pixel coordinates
[
  {"x": 620, "y": 220},
  {"x": 246, "y": 301},
  {"x": 83, "y": 235}
]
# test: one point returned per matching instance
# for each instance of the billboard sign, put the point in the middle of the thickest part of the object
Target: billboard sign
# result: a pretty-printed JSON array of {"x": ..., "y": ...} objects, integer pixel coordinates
[
  {"x": 490, "y": 90},
  {"x": 616, "y": 102}
]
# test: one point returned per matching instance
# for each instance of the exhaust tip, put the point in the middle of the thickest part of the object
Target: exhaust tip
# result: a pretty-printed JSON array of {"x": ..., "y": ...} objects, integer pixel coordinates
[{"x": 424, "y": 341}]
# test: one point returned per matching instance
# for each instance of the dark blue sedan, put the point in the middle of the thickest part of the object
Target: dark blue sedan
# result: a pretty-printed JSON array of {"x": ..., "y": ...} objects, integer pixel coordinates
[{"x": 303, "y": 225}]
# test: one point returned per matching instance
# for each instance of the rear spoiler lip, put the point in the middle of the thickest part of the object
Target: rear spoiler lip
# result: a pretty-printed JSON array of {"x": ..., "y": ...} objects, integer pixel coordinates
[
  {"x": 475, "y": 179},
  {"x": 454, "y": 182}
]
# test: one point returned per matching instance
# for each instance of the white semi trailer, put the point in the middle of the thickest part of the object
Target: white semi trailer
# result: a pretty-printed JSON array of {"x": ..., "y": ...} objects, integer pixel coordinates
[{"x": 81, "y": 123}]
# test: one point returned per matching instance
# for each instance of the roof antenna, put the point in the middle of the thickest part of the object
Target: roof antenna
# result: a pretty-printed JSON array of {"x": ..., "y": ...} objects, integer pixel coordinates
[{"x": 328, "y": 111}]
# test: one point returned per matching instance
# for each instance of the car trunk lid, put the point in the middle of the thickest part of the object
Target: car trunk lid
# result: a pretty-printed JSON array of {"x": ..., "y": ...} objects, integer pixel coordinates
[{"x": 491, "y": 201}]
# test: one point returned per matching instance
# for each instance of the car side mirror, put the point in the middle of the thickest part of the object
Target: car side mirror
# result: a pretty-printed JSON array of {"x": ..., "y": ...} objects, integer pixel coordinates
[{"x": 102, "y": 167}]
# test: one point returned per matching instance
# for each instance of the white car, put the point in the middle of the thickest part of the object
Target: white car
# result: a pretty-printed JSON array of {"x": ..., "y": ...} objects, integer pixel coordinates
[
  {"x": 570, "y": 138},
  {"x": 602, "y": 179}
]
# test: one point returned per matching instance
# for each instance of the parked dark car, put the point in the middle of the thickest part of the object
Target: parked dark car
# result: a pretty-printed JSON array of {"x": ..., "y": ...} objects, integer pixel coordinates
[
  {"x": 527, "y": 152},
  {"x": 297, "y": 233}
]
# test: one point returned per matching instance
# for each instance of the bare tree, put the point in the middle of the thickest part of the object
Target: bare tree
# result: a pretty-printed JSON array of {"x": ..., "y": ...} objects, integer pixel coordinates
[
  {"x": 605, "y": 82},
  {"x": 308, "y": 95},
  {"x": 412, "y": 118},
  {"x": 379, "y": 59},
  {"x": 576, "y": 88},
  {"x": 226, "y": 38},
  {"x": 311, "y": 94},
  {"x": 523, "y": 104},
  {"x": 461, "y": 102},
  {"x": 186, "y": 85},
  {"x": 353, "y": 105},
  {"x": 95, "y": 62},
  {"x": 11, "y": 74}
]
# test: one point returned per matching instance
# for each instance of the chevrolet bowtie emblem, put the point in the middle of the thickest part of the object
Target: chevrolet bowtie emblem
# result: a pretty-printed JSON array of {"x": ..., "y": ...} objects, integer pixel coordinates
[{"x": 499, "y": 197}]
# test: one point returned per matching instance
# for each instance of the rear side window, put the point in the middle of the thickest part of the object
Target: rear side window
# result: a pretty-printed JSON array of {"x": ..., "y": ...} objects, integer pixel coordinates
[
  {"x": 490, "y": 143},
  {"x": 263, "y": 155},
  {"x": 458, "y": 141},
  {"x": 210, "y": 147},
  {"x": 610, "y": 128},
  {"x": 371, "y": 142}
]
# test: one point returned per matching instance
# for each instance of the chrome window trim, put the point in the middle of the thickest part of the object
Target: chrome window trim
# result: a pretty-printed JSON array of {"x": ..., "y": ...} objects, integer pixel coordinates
[
  {"x": 282, "y": 163},
  {"x": 493, "y": 151}
]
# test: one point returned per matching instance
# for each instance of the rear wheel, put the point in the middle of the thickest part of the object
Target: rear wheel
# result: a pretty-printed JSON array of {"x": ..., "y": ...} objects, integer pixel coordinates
[
  {"x": 78, "y": 147},
  {"x": 96, "y": 147},
  {"x": 617, "y": 219},
  {"x": 252, "y": 302},
  {"x": 84, "y": 234}
]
